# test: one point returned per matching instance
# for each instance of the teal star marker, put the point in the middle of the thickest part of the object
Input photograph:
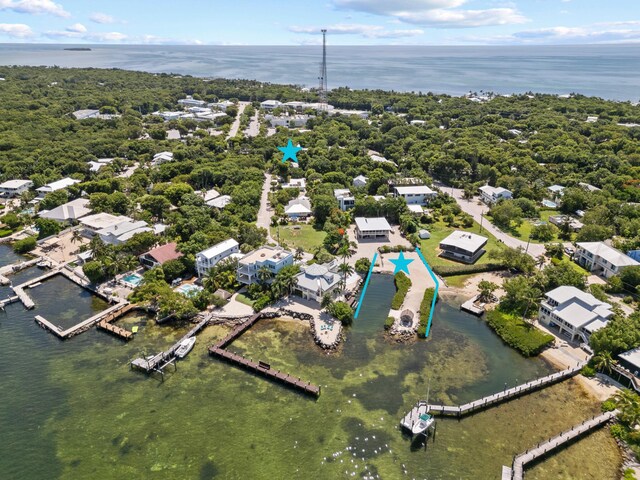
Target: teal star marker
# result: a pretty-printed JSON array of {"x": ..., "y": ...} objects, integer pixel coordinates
[
  {"x": 401, "y": 263},
  {"x": 289, "y": 152}
]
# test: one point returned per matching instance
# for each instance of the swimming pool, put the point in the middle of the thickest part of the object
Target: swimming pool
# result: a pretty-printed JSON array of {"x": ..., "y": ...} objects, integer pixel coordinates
[
  {"x": 132, "y": 279},
  {"x": 189, "y": 290},
  {"x": 549, "y": 204}
]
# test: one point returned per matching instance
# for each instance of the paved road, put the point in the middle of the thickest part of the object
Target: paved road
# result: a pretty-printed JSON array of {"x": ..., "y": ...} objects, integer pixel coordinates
[
  {"x": 264, "y": 214},
  {"x": 254, "y": 126},
  {"x": 477, "y": 209},
  {"x": 236, "y": 123}
]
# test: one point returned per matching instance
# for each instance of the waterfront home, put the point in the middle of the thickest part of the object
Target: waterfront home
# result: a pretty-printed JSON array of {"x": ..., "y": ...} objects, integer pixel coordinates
[
  {"x": 55, "y": 186},
  {"x": 574, "y": 312},
  {"x": 121, "y": 232},
  {"x": 415, "y": 194},
  {"x": 561, "y": 220},
  {"x": 270, "y": 104},
  {"x": 93, "y": 223},
  {"x": 209, "y": 258},
  {"x": 162, "y": 157},
  {"x": 68, "y": 212},
  {"x": 601, "y": 259},
  {"x": 299, "y": 208},
  {"x": 491, "y": 195},
  {"x": 345, "y": 199},
  {"x": 360, "y": 181},
  {"x": 462, "y": 246},
  {"x": 273, "y": 259},
  {"x": 15, "y": 188},
  {"x": 219, "y": 202},
  {"x": 160, "y": 255},
  {"x": 191, "y": 102},
  {"x": 315, "y": 281},
  {"x": 629, "y": 366},
  {"x": 376, "y": 227},
  {"x": 299, "y": 183}
]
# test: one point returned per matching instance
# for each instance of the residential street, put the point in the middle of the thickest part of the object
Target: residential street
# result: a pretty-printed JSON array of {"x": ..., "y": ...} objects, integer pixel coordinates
[
  {"x": 476, "y": 209},
  {"x": 254, "y": 126},
  {"x": 264, "y": 214},
  {"x": 236, "y": 123}
]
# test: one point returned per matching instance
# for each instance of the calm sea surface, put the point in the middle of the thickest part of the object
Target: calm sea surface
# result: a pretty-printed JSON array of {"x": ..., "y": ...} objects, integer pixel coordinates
[
  {"x": 74, "y": 409},
  {"x": 607, "y": 71}
]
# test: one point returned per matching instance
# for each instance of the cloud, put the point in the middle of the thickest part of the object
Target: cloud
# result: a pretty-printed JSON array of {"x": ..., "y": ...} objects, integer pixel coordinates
[
  {"x": 435, "y": 13},
  {"x": 98, "y": 17},
  {"x": 97, "y": 37},
  {"x": 15, "y": 30},
  {"x": 367, "y": 31},
  {"x": 106, "y": 37},
  {"x": 156, "y": 40},
  {"x": 34, "y": 7},
  {"x": 76, "y": 28}
]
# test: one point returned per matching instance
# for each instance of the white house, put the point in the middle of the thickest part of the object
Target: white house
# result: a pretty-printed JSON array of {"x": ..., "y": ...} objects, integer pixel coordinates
[
  {"x": 360, "y": 181},
  {"x": 298, "y": 208},
  {"x": 463, "y": 246},
  {"x": 273, "y": 259},
  {"x": 287, "y": 120},
  {"x": 191, "y": 102},
  {"x": 345, "y": 199},
  {"x": 121, "y": 232},
  {"x": 588, "y": 187},
  {"x": 574, "y": 312},
  {"x": 415, "y": 194},
  {"x": 221, "y": 105},
  {"x": 376, "y": 157},
  {"x": 54, "y": 186},
  {"x": 93, "y": 223},
  {"x": 208, "y": 258},
  {"x": 15, "y": 188},
  {"x": 315, "y": 281},
  {"x": 162, "y": 157},
  {"x": 491, "y": 195},
  {"x": 299, "y": 183},
  {"x": 69, "y": 211},
  {"x": 560, "y": 220},
  {"x": 372, "y": 228},
  {"x": 601, "y": 259},
  {"x": 270, "y": 104},
  {"x": 219, "y": 202}
]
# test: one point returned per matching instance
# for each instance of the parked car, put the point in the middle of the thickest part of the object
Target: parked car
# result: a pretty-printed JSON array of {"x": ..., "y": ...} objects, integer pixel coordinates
[{"x": 569, "y": 251}]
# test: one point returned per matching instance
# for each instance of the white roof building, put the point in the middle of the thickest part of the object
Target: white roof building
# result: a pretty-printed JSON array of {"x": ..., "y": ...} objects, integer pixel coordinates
[
  {"x": 299, "y": 183},
  {"x": 162, "y": 157},
  {"x": 415, "y": 194},
  {"x": 270, "y": 104},
  {"x": 209, "y": 195},
  {"x": 345, "y": 199},
  {"x": 57, "y": 185},
  {"x": 208, "y": 258},
  {"x": 601, "y": 259},
  {"x": 360, "y": 181},
  {"x": 69, "y": 211},
  {"x": 219, "y": 202},
  {"x": 123, "y": 231},
  {"x": 574, "y": 312},
  {"x": 372, "y": 227},
  {"x": 298, "y": 208},
  {"x": 14, "y": 188},
  {"x": 463, "y": 246},
  {"x": 315, "y": 281},
  {"x": 101, "y": 220},
  {"x": 589, "y": 187},
  {"x": 491, "y": 194}
]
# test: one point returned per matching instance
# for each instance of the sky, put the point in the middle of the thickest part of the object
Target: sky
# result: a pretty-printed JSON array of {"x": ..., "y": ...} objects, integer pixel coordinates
[{"x": 298, "y": 22}]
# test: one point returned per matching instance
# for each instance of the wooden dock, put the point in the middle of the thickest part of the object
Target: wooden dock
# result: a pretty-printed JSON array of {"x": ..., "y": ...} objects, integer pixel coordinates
[
  {"x": 516, "y": 472},
  {"x": 238, "y": 331},
  {"x": 507, "y": 394},
  {"x": 159, "y": 361},
  {"x": 265, "y": 370},
  {"x": 24, "y": 298},
  {"x": 105, "y": 323},
  {"x": 82, "y": 326}
]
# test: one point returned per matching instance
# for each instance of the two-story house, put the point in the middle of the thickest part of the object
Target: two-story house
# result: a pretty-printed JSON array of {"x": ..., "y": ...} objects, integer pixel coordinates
[
  {"x": 315, "y": 281},
  {"x": 415, "y": 194},
  {"x": 207, "y": 259},
  {"x": 601, "y": 259},
  {"x": 345, "y": 199},
  {"x": 491, "y": 195},
  {"x": 273, "y": 259}
]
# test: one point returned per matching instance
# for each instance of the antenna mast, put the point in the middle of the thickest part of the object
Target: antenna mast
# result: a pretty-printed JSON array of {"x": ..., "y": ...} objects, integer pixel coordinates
[{"x": 322, "y": 79}]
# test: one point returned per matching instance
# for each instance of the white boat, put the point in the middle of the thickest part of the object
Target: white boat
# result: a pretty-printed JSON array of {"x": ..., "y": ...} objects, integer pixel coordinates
[
  {"x": 425, "y": 421},
  {"x": 42, "y": 264},
  {"x": 185, "y": 347}
]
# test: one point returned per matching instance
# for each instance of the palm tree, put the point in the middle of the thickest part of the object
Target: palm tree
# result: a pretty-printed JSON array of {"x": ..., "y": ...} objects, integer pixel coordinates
[
  {"x": 264, "y": 275},
  {"x": 540, "y": 261},
  {"x": 628, "y": 403},
  {"x": 211, "y": 280},
  {"x": 604, "y": 362},
  {"x": 128, "y": 262},
  {"x": 97, "y": 247},
  {"x": 345, "y": 269},
  {"x": 299, "y": 253},
  {"x": 76, "y": 236}
]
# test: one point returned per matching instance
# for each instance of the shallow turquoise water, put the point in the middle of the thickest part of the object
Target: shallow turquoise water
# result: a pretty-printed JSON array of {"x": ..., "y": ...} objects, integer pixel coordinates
[{"x": 74, "y": 409}]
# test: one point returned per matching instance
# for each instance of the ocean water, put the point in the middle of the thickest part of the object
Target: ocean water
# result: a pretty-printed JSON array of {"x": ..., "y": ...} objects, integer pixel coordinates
[
  {"x": 74, "y": 409},
  {"x": 607, "y": 71}
]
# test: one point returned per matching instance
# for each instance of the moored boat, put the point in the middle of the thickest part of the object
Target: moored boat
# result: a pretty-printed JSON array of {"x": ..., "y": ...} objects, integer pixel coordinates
[
  {"x": 425, "y": 421},
  {"x": 185, "y": 347}
]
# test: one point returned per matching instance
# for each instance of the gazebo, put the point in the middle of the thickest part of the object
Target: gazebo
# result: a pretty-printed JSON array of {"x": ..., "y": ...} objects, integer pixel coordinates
[{"x": 406, "y": 318}]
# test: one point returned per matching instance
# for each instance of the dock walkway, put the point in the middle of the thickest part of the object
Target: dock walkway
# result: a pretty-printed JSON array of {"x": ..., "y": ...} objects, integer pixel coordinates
[
  {"x": 157, "y": 362},
  {"x": 105, "y": 323},
  {"x": 471, "y": 307},
  {"x": 507, "y": 394},
  {"x": 82, "y": 326},
  {"x": 516, "y": 472}
]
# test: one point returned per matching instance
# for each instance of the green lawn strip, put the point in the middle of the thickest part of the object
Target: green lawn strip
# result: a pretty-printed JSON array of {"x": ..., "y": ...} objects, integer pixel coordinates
[
  {"x": 244, "y": 299},
  {"x": 303, "y": 236},
  {"x": 517, "y": 333},
  {"x": 402, "y": 283},
  {"x": 425, "y": 310}
]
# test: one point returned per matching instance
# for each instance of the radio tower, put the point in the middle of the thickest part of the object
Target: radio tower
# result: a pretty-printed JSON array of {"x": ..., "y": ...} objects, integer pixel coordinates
[{"x": 322, "y": 79}]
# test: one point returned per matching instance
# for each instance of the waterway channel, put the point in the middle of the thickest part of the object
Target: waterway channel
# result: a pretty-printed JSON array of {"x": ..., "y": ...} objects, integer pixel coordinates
[{"x": 73, "y": 409}]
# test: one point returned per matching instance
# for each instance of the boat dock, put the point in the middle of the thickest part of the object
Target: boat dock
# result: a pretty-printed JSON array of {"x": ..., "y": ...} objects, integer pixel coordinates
[
  {"x": 162, "y": 359},
  {"x": 414, "y": 415},
  {"x": 265, "y": 370},
  {"x": 516, "y": 471},
  {"x": 82, "y": 326},
  {"x": 16, "y": 267},
  {"x": 105, "y": 323},
  {"x": 7, "y": 301},
  {"x": 470, "y": 306},
  {"x": 507, "y": 394},
  {"x": 237, "y": 331}
]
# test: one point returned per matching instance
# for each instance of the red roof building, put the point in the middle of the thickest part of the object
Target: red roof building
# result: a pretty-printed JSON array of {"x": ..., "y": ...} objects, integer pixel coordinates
[{"x": 160, "y": 255}]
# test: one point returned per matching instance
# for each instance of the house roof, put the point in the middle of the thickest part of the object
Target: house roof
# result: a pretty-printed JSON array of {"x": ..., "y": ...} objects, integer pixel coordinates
[
  {"x": 632, "y": 357},
  {"x": 165, "y": 253},
  {"x": 219, "y": 248},
  {"x": 489, "y": 190},
  {"x": 576, "y": 315},
  {"x": 610, "y": 254},
  {"x": 565, "y": 293},
  {"x": 102, "y": 220},
  {"x": 316, "y": 277},
  {"x": 469, "y": 242},
  {"x": 263, "y": 254},
  {"x": 124, "y": 227},
  {"x": 297, "y": 209},
  {"x": 372, "y": 224},
  {"x": 414, "y": 190},
  {"x": 57, "y": 185},
  {"x": 556, "y": 188},
  {"x": 415, "y": 208},
  {"x": 360, "y": 178},
  {"x": 69, "y": 211},
  {"x": 220, "y": 202},
  {"x": 13, "y": 184}
]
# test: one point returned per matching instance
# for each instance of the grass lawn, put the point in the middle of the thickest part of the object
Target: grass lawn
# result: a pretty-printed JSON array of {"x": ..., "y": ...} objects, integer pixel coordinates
[
  {"x": 244, "y": 299},
  {"x": 524, "y": 230},
  {"x": 439, "y": 231},
  {"x": 294, "y": 236},
  {"x": 576, "y": 267}
]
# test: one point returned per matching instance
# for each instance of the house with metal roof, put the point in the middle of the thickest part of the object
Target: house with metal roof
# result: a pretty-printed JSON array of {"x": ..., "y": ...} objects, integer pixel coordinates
[
  {"x": 315, "y": 281},
  {"x": 68, "y": 212},
  {"x": 376, "y": 227},
  {"x": 601, "y": 259},
  {"x": 463, "y": 246},
  {"x": 414, "y": 194},
  {"x": 209, "y": 258},
  {"x": 491, "y": 195}
]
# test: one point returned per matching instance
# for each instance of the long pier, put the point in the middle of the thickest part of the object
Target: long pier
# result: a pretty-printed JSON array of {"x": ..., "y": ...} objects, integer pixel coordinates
[
  {"x": 496, "y": 398},
  {"x": 516, "y": 472},
  {"x": 237, "y": 331},
  {"x": 82, "y": 326},
  {"x": 159, "y": 361}
]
